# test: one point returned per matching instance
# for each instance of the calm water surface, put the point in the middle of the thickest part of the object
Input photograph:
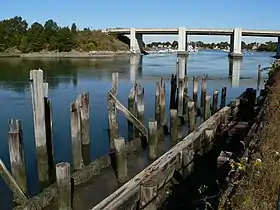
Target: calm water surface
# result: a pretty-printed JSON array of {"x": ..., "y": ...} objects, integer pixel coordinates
[{"x": 69, "y": 77}]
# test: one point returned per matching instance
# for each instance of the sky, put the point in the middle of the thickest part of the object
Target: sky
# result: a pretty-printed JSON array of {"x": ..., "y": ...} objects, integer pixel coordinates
[{"x": 98, "y": 14}]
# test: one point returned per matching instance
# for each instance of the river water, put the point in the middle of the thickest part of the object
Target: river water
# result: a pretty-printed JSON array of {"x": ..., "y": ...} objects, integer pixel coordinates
[{"x": 68, "y": 77}]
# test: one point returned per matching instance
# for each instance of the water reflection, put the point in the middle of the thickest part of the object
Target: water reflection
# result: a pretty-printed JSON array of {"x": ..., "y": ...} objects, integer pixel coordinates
[
  {"x": 234, "y": 71},
  {"x": 135, "y": 67}
]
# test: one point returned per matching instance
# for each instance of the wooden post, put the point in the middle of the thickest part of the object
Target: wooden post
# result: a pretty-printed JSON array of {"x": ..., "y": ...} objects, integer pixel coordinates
[
  {"x": 75, "y": 124},
  {"x": 152, "y": 139},
  {"x": 191, "y": 116},
  {"x": 17, "y": 158},
  {"x": 185, "y": 101},
  {"x": 157, "y": 103},
  {"x": 85, "y": 127},
  {"x": 173, "y": 125},
  {"x": 148, "y": 193},
  {"x": 173, "y": 91},
  {"x": 223, "y": 97},
  {"x": 215, "y": 101},
  {"x": 121, "y": 161},
  {"x": 259, "y": 76},
  {"x": 112, "y": 121},
  {"x": 140, "y": 107},
  {"x": 195, "y": 90},
  {"x": 49, "y": 133},
  {"x": 203, "y": 93},
  {"x": 131, "y": 102},
  {"x": 162, "y": 106},
  {"x": 186, "y": 85},
  {"x": 207, "y": 110},
  {"x": 180, "y": 97},
  {"x": 63, "y": 181},
  {"x": 19, "y": 195},
  {"x": 37, "y": 94}
]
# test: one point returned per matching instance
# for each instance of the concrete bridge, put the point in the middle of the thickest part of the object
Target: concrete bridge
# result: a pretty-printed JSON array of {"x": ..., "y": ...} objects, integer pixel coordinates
[{"x": 136, "y": 37}]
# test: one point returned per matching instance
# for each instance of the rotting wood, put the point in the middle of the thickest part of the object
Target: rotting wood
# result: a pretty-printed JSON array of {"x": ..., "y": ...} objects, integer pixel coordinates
[
  {"x": 17, "y": 157},
  {"x": 162, "y": 103},
  {"x": 223, "y": 97},
  {"x": 121, "y": 160},
  {"x": 173, "y": 87},
  {"x": 195, "y": 90},
  {"x": 37, "y": 94},
  {"x": 20, "y": 196},
  {"x": 203, "y": 93},
  {"x": 180, "y": 97},
  {"x": 76, "y": 137},
  {"x": 152, "y": 139},
  {"x": 157, "y": 103},
  {"x": 215, "y": 101},
  {"x": 207, "y": 110},
  {"x": 132, "y": 188},
  {"x": 140, "y": 107},
  {"x": 131, "y": 103},
  {"x": 112, "y": 120},
  {"x": 129, "y": 115},
  {"x": 191, "y": 116},
  {"x": 147, "y": 195},
  {"x": 173, "y": 125},
  {"x": 63, "y": 181}
]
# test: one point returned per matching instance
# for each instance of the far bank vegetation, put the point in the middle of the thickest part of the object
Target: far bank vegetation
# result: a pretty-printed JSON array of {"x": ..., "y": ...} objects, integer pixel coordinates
[{"x": 16, "y": 36}]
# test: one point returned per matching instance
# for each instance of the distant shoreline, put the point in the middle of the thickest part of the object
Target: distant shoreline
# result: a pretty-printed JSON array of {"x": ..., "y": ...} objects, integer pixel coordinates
[{"x": 93, "y": 54}]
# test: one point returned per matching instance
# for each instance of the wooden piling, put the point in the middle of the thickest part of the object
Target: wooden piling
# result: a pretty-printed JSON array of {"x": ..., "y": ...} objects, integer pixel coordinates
[
  {"x": 75, "y": 124},
  {"x": 186, "y": 85},
  {"x": 207, "y": 110},
  {"x": 19, "y": 196},
  {"x": 223, "y": 97},
  {"x": 131, "y": 102},
  {"x": 37, "y": 94},
  {"x": 215, "y": 101},
  {"x": 180, "y": 97},
  {"x": 203, "y": 93},
  {"x": 162, "y": 107},
  {"x": 140, "y": 107},
  {"x": 173, "y": 125},
  {"x": 148, "y": 193},
  {"x": 49, "y": 133},
  {"x": 121, "y": 160},
  {"x": 152, "y": 139},
  {"x": 173, "y": 88},
  {"x": 112, "y": 120},
  {"x": 259, "y": 76},
  {"x": 16, "y": 152},
  {"x": 191, "y": 117},
  {"x": 195, "y": 90},
  {"x": 157, "y": 103},
  {"x": 85, "y": 127},
  {"x": 63, "y": 181}
]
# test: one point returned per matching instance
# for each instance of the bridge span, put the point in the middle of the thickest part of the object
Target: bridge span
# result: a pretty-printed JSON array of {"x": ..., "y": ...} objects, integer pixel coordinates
[{"x": 136, "y": 34}]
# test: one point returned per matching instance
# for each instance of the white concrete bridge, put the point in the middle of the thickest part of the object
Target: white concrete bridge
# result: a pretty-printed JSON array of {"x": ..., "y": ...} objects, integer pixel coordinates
[{"x": 136, "y": 36}]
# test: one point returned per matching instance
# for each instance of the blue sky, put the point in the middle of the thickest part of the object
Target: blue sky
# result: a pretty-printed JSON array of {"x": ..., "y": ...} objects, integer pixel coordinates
[{"x": 256, "y": 14}]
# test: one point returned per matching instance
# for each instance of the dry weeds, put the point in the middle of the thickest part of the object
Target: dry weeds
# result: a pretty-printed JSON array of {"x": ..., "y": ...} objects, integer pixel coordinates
[{"x": 259, "y": 188}]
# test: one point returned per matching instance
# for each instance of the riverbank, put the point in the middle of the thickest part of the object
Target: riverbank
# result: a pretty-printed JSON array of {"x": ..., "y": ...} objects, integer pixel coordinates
[
  {"x": 259, "y": 188},
  {"x": 71, "y": 54}
]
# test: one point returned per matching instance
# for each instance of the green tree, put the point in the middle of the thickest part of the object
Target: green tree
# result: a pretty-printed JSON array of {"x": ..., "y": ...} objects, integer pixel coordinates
[
  {"x": 73, "y": 28},
  {"x": 35, "y": 39},
  {"x": 65, "y": 40}
]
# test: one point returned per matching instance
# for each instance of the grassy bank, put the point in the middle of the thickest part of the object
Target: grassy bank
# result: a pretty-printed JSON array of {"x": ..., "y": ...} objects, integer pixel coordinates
[{"x": 259, "y": 187}]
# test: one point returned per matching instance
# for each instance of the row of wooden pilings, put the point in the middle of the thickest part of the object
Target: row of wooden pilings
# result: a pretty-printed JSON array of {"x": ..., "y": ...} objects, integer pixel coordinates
[{"x": 182, "y": 109}]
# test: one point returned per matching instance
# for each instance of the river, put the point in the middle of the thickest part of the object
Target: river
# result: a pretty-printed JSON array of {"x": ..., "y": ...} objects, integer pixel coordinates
[{"x": 68, "y": 77}]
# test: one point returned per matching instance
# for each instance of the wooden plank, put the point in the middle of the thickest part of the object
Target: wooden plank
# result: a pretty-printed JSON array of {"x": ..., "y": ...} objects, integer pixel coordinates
[
  {"x": 129, "y": 115},
  {"x": 132, "y": 188},
  {"x": 20, "y": 196}
]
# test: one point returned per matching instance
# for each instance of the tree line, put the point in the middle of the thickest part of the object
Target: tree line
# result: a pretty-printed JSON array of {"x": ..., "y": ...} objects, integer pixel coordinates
[
  {"x": 16, "y": 35},
  {"x": 267, "y": 46}
]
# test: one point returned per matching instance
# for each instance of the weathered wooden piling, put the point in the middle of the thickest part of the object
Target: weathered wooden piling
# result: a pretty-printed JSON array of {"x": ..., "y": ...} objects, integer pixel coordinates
[
  {"x": 223, "y": 97},
  {"x": 63, "y": 181},
  {"x": 207, "y": 110},
  {"x": 17, "y": 157},
  {"x": 157, "y": 102},
  {"x": 191, "y": 116},
  {"x": 152, "y": 139},
  {"x": 162, "y": 103},
  {"x": 259, "y": 76},
  {"x": 215, "y": 101},
  {"x": 140, "y": 106},
  {"x": 180, "y": 97},
  {"x": 173, "y": 87},
  {"x": 19, "y": 196},
  {"x": 49, "y": 132},
  {"x": 121, "y": 160},
  {"x": 203, "y": 93},
  {"x": 131, "y": 103},
  {"x": 85, "y": 127},
  {"x": 173, "y": 125},
  {"x": 37, "y": 93},
  {"x": 148, "y": 191},
  {"x": 195, "y": 90},
  {"x": 75, "y": 124}
]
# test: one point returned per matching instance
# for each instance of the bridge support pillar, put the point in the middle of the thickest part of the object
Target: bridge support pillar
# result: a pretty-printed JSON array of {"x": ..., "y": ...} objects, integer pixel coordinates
[
  {"x": 135, "y": 68},
  {"x": 234, "y": 72},
  {"x": 235, "y": 44},
  {"x": 182, "y": 42},
  {"x": 278, "y": 49},
  {"x": 136, "y": 41}
]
